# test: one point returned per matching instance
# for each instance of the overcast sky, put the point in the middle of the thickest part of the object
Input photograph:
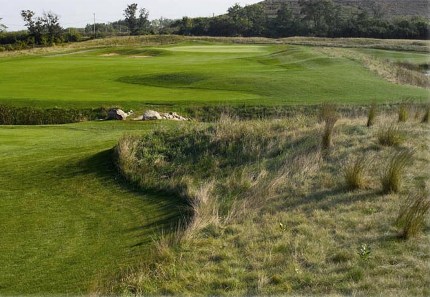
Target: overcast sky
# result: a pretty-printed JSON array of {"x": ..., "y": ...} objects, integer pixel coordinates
[{"x": 77, "y": 13}]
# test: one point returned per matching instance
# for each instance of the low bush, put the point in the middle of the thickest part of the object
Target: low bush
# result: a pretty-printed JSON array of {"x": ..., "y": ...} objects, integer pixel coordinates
[
  {"x": 10, "y": 115},
  {"x": 393, "y": 178},
  {"x": 413, "y": 214}
]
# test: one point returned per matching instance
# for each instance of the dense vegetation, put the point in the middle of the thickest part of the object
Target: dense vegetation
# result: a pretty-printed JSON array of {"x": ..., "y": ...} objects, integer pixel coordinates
[
  {"x": 270, "y": 212},
  {"x": 10, "y": 115},
  {"x": 316, "y": 18}
]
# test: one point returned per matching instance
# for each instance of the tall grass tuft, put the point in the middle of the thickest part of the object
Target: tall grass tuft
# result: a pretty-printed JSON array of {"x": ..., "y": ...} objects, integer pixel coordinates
[
  {"x": 390, "y": 136},
  {"x": 403, "y": 113},
  {"x": 392, "y": 178},
  {"x": 330, "y": 116},
  {"x": 425, "y": 118},
  {"x": 412, "y": 214},
  {"x": 354, "y": 174},
  {"x": 371, "y": 118}
]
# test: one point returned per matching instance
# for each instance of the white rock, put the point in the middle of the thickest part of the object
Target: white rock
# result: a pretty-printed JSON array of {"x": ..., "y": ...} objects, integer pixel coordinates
[{"x": 151, "y": 115}]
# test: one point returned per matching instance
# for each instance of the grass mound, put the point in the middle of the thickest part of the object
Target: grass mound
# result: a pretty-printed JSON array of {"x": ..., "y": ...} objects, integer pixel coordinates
[
  {"x": 225, "y": 163},
  {"x": 267, "y": 215}
]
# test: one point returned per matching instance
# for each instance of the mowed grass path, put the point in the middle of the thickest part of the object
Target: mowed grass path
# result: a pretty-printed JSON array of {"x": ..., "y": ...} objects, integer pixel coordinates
[
  {"x": 193, "y": 73},
  {"x": 66, "y": 219}
]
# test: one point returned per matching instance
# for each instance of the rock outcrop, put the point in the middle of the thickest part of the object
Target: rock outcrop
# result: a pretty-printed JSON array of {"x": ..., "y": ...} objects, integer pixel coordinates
[
  {"x": 152, "y": 115},
  {"x": 117, "y": 114}
]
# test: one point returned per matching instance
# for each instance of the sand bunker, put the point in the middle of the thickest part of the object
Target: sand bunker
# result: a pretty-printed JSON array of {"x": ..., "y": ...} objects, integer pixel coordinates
[
  {"x": 109, "y": 55},
  {"x": 139, "y": 57}
]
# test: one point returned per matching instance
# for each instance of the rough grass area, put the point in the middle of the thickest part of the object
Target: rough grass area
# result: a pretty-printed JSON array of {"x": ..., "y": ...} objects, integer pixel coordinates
[{"x": 267, "y": 215}]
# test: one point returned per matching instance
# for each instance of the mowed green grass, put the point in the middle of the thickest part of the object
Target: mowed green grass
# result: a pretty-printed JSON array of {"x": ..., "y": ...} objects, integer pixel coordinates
[
  {"x": 193, "y": 73},
  {"x": 66, "y": 220}
]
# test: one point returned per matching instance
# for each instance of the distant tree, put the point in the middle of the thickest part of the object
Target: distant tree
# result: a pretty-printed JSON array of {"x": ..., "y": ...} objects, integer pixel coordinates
[
  {"x": 131, "y": 19},
  {"x": 162, "y": 26},
  {"x": 2, "y": 27},
  {"x": 285, "y": 24},
  {"x": 320, "y": 16},
  {"x": 185, "y": 26},
  {"x": 34, "y": 26},
  {"x": 143, "y": 21},
  {"x": 136, "y": 25},
  {"x": 51, "y": 25},
  {"x": 256, "y": 20},
  {"x": 239, "y": 21}
]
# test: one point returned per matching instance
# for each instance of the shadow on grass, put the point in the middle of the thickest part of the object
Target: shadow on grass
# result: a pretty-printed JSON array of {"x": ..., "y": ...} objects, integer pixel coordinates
[
  {"x": 172, "y": 209},
  {"x": 328, "y": 199}
]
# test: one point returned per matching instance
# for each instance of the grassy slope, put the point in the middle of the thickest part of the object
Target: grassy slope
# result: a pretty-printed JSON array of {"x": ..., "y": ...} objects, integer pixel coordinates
[
  {"x": 398, "y": 56},
  {"x": 65, "y": 220},
  {"x": 264, "y": 74}
]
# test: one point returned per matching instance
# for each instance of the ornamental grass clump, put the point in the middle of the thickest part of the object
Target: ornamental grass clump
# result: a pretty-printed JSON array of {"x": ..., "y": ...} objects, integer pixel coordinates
[
  {"x": 330, "y": 116},
  {"x": 393, "y": 177},
  {"x": 413, "y": 214},
  {"x": 371, "y": 118},
  {"x": 354, "y": 174},
  {"x": 403, "y": 113},
  {"x": 390, "y": 136}
]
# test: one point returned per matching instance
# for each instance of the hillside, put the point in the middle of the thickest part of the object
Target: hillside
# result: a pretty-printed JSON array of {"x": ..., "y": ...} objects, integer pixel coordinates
[{"x": 390, "y": 8}]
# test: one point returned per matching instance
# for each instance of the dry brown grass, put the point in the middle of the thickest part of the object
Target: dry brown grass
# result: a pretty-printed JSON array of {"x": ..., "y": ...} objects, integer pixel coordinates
[
  {"x": 354, "y": 173},
  {"x": 390, "y": 136},
  {"x": 393, "y": 177},
  {"x": 413, "y": 213},
  {"x": 371, "y": 117}
]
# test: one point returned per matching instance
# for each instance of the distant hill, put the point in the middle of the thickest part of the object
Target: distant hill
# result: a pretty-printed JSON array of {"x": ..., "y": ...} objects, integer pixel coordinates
[{"x": 390, "y": 8}]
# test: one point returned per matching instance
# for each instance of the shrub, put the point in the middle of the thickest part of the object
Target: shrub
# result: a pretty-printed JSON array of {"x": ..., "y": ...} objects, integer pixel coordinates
[
  {"x": 354, "y": 174},
  {"x": 412, "y": 214},
  {"x": 390, "y": 136},
  {"x": 10, "y": 115},
  {"x": 392, "y": 179},
  {"x": 371, "y": 116},
  {"x": 403, "y": 113}
]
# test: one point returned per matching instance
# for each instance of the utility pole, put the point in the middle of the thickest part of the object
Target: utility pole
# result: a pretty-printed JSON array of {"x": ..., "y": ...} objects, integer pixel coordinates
[{"x": 94, "y": 25}]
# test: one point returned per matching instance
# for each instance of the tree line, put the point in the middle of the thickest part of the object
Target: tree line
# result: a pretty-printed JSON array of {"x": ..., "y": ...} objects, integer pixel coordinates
[{"x": 320, "y": 18}]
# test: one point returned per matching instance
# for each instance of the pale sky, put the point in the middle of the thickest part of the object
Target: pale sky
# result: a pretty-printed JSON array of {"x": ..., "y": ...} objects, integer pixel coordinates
[{"x": 78, "y": 13}]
